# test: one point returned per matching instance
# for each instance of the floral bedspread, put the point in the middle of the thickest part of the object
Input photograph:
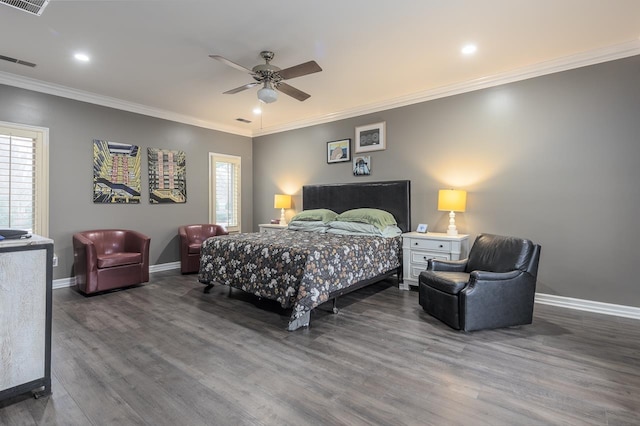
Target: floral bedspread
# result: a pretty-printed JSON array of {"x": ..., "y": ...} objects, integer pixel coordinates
[{"x": 297, "y": 269}]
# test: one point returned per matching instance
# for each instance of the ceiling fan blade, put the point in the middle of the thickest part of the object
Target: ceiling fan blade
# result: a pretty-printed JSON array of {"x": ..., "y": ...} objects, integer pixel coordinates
[
  {"x": 292, "y": 91},
  {"x": 240, "y": 89},
  {"x": 300, "y": 70},
  {"x": 230, "y": 63}
]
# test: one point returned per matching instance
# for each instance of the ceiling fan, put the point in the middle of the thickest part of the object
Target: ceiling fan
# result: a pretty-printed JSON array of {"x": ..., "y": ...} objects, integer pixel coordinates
[{"x": 271, "y": 77}]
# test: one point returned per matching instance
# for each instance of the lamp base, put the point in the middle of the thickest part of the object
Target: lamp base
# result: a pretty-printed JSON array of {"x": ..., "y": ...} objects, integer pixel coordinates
[
  {"x": 451, "y": 230},
  {"x": 283, "y": 220}
]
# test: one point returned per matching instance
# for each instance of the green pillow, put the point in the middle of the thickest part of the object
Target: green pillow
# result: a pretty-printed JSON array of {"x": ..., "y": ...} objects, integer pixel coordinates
[
  {"x": 378, "y": 218},
  {"x": 324, "y": 215}
]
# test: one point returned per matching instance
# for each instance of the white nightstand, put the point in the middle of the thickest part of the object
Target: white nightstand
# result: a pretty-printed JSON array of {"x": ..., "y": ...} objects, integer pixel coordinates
[
  {"x": 271, "y": 227},
  {"x": 418, "y": 248}
]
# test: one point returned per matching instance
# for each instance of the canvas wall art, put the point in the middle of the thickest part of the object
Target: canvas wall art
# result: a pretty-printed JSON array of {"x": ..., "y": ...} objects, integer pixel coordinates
[
  {"x": 167, "y": 176},
  {"x": 116, "y": 173},
  {"x": 362, "y": 165}
]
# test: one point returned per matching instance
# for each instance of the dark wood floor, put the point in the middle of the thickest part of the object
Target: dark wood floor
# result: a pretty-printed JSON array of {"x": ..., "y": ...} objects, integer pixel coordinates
[{"x": 167, "y": 354}]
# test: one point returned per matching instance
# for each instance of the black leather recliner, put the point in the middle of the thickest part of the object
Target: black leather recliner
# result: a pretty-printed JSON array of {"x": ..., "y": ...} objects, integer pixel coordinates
[{"x": 494, "y": 287}]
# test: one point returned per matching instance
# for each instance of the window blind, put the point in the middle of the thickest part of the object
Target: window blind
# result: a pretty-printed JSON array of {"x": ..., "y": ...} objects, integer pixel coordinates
[
  {"x": 17, "y": 182},
  {"x": 227, "y": 191}
]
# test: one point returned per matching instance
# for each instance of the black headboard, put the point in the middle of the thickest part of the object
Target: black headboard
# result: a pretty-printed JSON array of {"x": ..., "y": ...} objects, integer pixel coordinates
[{"x": 392, "y": 196}]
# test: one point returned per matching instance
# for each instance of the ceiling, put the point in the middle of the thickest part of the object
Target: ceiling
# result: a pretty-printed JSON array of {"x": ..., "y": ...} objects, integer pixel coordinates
[{"x": 152, "y": 56}]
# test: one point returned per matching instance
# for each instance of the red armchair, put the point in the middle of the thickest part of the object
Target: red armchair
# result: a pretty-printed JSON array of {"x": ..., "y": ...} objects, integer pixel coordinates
[
  {"x": 107, "y": 259},
  {"x": 191, "y": 238}
]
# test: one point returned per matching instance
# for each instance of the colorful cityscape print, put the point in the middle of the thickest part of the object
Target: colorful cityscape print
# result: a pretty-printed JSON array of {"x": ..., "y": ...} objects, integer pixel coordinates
[
  {"x": 116, "y": 173},
  {"x": 167, "y": 176}
]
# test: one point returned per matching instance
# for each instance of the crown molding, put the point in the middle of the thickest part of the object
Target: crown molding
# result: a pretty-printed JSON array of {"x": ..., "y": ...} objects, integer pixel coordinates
[
  {"x": 592, "y": 57},
  {"x": 92, "y": 98}
]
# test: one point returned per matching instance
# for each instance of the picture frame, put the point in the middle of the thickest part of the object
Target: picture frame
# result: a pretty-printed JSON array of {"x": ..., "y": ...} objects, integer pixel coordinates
[
  {"x": 361, "y": 165},
  {"x": 339, "y": 151},
  {"x": 371, "y": 137},
  {"x": 422, "y": 228},
  {"x": 167, "y": 176},
  {"x": 116, "y": 188}
]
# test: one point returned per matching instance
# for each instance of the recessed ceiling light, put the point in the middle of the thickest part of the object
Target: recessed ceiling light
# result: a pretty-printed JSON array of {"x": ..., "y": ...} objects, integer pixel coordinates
[
  {"x": 81, "y": 57},
  {"x": 469, "y": 49},
  {"x": 257, "y": 111}
]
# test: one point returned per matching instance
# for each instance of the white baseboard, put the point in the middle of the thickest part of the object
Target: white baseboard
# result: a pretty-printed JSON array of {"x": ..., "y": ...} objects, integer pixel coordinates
[
  {"x": 164, "y": 267},
  {"x": 71, "y": 281},
  {"x": 542, "y": 298},
  {"x": 64, "y": 282},
  {"x": 589, "y": 306}
]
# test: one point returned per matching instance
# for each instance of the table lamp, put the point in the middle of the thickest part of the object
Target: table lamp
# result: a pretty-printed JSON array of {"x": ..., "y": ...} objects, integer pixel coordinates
[
  {"x": 282, "y": 201},
  {"x": 452, "y": 200}
]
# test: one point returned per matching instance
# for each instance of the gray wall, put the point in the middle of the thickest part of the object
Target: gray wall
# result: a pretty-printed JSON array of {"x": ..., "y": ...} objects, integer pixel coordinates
[
  {"x": 72, "y": 127},
  {"x": 555, "y": 159}
]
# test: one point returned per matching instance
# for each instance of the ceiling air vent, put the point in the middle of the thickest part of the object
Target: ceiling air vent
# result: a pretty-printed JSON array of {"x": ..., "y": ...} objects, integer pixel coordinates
[
  {"x": 31, "y": 6},
  {"x": 243, "y": 120},
  {"x": 17, "y": 61}
]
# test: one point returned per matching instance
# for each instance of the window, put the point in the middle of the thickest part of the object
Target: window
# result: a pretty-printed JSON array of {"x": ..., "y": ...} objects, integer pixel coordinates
[
  {"x": 224, "y": 191},
  {"x": 24, "y": 187}
]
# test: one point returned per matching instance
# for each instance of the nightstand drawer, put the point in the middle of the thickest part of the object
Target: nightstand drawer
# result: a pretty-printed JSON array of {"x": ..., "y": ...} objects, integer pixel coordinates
[
  {"x": 423, "y": 256},
  {"x": 431, "y": 244}
]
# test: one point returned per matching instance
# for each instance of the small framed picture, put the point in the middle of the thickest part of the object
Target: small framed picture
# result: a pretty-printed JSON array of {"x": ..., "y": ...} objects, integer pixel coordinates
[
  {"x": 422, "y": 228},
  {"x": 361, "y": 165},
  {"x": 339, "y": 151},
  {"x": 370, "y": 138}
]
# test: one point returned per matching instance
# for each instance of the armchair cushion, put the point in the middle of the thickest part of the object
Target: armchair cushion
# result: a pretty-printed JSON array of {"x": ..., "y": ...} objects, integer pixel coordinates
[
  {"x": 118, "y": 259},
  {"x": 194, "y": 248},
  {"x": 447, "y": 282}
]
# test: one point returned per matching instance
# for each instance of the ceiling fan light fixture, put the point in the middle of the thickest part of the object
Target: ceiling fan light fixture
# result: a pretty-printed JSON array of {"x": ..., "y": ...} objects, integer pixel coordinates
[
  {"x": 269, "y": 76},
  {"x": 267, "y": 94}
]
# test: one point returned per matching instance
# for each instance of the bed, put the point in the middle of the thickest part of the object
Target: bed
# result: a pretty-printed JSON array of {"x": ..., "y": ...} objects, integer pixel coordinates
[{"x": 301, "y": 270}]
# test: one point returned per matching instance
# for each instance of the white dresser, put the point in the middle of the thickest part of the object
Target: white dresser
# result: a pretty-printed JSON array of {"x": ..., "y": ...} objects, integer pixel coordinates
[
  {"x": 25, "y": 316},
  {"x": 271, "y": 227},
  {"x": 418, "y": 248}
]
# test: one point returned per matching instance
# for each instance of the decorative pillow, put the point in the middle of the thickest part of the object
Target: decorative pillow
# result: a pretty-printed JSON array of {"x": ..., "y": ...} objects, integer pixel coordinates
[
  {"x": 308, "y": 226},
  {"x": 379, "y": 218},
  {"x": 325, "y": 215}
]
